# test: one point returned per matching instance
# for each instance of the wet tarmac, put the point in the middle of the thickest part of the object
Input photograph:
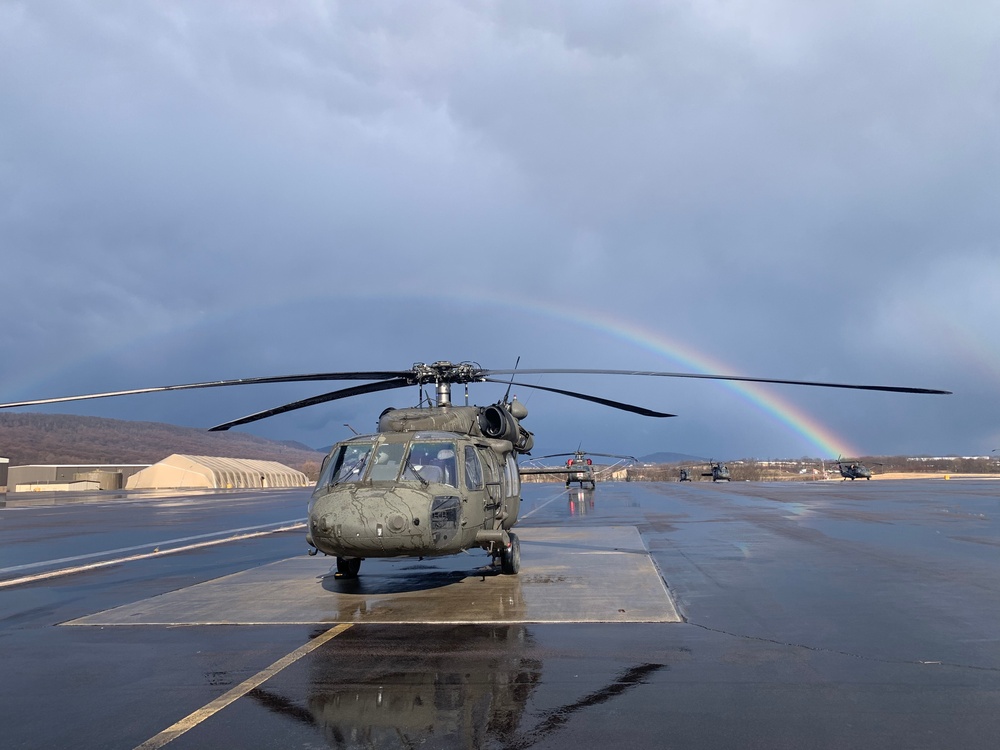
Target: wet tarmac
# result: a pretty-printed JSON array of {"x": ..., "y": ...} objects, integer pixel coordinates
[{"x": 816, "y": 615}]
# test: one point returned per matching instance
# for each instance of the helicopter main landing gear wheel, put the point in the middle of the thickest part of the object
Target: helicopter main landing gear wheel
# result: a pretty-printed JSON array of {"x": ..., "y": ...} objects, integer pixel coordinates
[
  {"x": 348, "y": 567},
  {"x": 510, "y": 556}
]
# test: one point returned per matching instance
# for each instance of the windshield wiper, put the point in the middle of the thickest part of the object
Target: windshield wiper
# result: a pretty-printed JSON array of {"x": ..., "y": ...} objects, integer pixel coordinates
[
  {"x": 411, "y": 467},
  {"x": 343, "y": 474}
]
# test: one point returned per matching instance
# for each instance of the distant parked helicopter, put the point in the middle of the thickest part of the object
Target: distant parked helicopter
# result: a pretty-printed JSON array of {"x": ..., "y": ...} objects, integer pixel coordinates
[
  {"x": 684, "y": 476},
  {"x": 433, "y": 480},
  {"x": 854, "y": 470},
  {"x": 719, "y": 472},
  {"x": 579, "y": 468}
]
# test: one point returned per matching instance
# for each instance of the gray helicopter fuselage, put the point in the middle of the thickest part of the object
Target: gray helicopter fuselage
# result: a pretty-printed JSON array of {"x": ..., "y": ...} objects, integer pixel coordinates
[
  {"x": 429, "y": 483},
  {"x": 580, "y": 471},
  {"x": 855, "y": 471}
]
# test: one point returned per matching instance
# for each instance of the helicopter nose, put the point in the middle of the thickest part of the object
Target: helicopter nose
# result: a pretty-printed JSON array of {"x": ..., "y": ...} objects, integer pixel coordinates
[{"x": 376, "y": 524}]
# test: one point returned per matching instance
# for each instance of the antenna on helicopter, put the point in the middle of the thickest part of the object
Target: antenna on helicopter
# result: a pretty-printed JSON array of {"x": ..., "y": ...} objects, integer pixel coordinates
[
  {"x": 507, "y": 394},
  {"x": 351, "y": 429}
]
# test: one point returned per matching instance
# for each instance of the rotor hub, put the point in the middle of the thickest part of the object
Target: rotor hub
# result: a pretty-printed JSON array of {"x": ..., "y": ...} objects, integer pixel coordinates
[{"x": 447, "y": 372}]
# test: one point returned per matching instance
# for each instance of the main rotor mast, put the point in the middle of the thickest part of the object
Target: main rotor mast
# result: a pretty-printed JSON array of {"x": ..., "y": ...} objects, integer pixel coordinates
[{"x": 443, "y": 374}]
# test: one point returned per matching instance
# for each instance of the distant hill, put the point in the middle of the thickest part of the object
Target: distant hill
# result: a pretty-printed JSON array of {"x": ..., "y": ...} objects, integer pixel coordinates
[
  {"x": 62, "y": 438},
  {"x": 671, "y": 458}
]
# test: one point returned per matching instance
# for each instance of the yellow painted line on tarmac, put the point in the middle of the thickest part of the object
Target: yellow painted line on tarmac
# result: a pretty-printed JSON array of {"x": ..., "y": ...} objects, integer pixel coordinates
[
  {"x": 192, "y": 720},
  {"x": 143, "y": 556}
]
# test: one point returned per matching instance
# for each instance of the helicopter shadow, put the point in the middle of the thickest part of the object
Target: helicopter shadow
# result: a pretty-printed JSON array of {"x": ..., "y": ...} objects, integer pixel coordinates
[{"x": 382, "y": 577}]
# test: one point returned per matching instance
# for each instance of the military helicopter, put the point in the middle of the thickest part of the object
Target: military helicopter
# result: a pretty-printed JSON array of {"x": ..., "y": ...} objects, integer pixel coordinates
[
  {"x": 685, "y": 476},
  {"x": 434, "y": 480},
  {"x": 854, "y": 470},
  {"x": 719, "y": 472},
  {"x": 579, "y": 468}
]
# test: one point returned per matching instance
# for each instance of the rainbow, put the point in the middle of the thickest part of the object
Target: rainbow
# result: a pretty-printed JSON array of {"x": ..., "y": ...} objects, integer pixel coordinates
[{"x": 783, "y": 411}]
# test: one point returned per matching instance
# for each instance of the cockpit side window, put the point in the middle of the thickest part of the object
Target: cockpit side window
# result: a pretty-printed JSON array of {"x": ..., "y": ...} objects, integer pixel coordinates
[
  {"x": 473, "y": 469},
  {"x": 432, "y": 462},
  {"x": 494, "y": 479}
]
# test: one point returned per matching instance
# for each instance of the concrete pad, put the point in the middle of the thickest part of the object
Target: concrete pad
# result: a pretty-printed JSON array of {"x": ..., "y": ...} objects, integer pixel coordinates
[{"x": 567, "y": 575}]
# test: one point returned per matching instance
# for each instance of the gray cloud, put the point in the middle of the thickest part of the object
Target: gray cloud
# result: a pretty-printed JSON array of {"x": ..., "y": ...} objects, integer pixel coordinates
[{"x": 196, "y": 191}]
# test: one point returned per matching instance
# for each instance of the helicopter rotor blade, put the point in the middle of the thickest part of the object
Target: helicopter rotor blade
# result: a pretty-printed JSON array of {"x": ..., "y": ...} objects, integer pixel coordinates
[
  {"x": 374, "y": 375},
  {"x": 743, "y": 378},
  {"x": 612, "y": 455},
  {"x": 463, "y": 373},
  {"x": 585, "y": 453},
  {"x": 355, "y": 390},
  {"x": 596, "y": 399}
]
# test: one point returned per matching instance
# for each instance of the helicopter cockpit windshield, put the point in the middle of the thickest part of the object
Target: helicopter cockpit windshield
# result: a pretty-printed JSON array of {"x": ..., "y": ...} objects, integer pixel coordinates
[
  {"x": 420, "y": 461},
  {"x": 432, "y": 462}
]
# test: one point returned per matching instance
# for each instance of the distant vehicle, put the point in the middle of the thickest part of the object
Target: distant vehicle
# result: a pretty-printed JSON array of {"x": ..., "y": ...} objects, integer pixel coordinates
[
  {"x": 579, "y": 467},
  {"x": 685, "y": 476},
  {"x": 854, "y": 470},
  {"x": 719, "y": 472}
]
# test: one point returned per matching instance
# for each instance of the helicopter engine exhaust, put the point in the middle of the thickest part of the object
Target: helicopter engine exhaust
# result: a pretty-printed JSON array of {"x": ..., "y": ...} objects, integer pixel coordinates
[{"x": 498, "y": 423}]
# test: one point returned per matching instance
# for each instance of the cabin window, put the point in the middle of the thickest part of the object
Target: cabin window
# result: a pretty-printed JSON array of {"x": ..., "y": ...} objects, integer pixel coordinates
[
  {"x": 385, "y": 465},
  {"x": 473, "y": 469},
  {"x": 512, "y": 476},
  {"x": 347, "y": 464},
  {"x": 432, "y": 462}
]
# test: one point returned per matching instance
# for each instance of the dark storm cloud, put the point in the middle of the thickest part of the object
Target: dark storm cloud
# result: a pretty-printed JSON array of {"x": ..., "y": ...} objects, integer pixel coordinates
[{"x": 199, "y": 190}]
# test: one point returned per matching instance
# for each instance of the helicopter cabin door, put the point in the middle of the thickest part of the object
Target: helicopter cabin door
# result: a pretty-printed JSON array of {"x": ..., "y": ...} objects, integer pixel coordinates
[{"x": 496, "y": 486}]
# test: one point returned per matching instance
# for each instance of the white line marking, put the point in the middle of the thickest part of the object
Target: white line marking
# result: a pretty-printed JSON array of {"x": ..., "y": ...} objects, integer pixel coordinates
[
  {"x": 133, "y": 558},
  {"x": 44, "y": 563},
  {"x": 192, "y": 720},
  {"x": 550, "y": 500}
]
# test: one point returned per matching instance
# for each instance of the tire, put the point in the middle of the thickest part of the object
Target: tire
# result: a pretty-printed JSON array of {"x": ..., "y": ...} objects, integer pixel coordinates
[
  {"x": 348, "y": 567},
  {"x": 510, "y": 558}
]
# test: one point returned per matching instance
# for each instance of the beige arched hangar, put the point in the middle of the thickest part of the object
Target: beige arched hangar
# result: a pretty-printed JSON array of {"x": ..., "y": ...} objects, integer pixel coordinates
[{"x": 181, "y": 472}]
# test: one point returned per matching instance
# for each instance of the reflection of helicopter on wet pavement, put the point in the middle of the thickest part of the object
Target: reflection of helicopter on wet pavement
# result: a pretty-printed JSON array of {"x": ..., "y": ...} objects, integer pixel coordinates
[
  {"x": 435, "y": 480},
  {"x": 466, "y": 686},
  {"x": 581, "y": 501},
  {"x": 854, "y": 469},
  {"x": 719, "y": 472},
  {"x": 579, "y": 467}
]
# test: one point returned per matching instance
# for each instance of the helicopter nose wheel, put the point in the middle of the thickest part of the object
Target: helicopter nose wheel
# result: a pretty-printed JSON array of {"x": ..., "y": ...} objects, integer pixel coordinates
[
  {"x": 510, "y": 556},
  {"x": 348, "y": 567}
]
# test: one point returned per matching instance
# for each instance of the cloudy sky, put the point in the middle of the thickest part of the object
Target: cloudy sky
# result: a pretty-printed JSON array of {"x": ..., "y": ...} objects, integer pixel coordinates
[{"x": 195, "y": 191}]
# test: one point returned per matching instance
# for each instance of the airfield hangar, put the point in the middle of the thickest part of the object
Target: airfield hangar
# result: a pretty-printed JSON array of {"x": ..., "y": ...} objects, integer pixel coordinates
[
  {"x": 211, "y": 472},
  {"x": 67, "y": 477}
]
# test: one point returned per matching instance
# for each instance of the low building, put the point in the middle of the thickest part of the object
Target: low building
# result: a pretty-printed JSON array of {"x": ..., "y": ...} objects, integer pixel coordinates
[
  {"x": 67, "y": 477},
  {"x": 181, "y": 472}
]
